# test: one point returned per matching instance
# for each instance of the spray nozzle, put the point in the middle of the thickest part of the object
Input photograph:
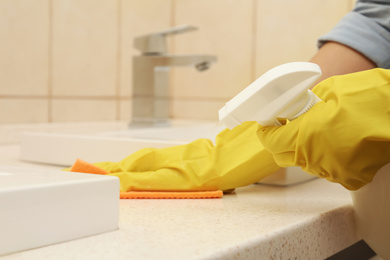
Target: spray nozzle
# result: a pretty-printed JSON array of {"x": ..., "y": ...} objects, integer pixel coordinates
[{"x": 282, "y": 92}]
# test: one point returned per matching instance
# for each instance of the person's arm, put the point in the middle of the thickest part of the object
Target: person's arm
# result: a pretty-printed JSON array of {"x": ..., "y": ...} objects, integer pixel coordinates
[
  {"x": 337, "y": 59},
  {"x": 360, "y": 41}
]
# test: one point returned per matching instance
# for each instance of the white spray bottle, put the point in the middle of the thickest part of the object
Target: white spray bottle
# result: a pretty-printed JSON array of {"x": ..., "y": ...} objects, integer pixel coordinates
[{"x": 282, "y": 92}]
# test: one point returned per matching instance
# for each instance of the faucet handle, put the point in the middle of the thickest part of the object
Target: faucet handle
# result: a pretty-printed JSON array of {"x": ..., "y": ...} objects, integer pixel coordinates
[
  {"x": 155, "y": 43},
  {"x": 178, "y": 29}
]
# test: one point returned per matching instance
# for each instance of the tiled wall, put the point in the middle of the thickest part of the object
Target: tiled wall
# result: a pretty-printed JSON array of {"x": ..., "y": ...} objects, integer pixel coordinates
[{"x": 70, "y": 60}]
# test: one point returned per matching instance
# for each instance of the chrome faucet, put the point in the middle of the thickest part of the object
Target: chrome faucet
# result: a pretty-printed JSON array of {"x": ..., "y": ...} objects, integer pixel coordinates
[{"x": 151, "y": 101}]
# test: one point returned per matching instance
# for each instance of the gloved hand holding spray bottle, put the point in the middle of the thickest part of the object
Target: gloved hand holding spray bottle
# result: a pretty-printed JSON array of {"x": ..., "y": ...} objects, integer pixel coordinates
[{"x": 345, "y": 138}]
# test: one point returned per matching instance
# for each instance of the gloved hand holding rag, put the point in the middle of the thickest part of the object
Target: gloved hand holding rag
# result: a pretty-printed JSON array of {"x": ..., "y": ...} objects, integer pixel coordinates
[{"x": 237, "y": 159}]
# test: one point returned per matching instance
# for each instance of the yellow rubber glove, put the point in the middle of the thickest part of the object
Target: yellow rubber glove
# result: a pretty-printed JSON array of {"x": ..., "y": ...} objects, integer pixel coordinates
[
  {"x": 346, "y": 137},
  {"x": 237, "y": 159}
]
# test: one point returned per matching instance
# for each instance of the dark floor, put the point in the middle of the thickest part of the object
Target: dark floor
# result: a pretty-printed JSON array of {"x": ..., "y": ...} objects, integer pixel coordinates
[{"x": 358, "y": 251}]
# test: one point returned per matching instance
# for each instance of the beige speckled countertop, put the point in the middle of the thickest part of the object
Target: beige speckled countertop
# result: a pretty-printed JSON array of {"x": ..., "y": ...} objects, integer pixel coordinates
[{"x": 312, "y": 220}]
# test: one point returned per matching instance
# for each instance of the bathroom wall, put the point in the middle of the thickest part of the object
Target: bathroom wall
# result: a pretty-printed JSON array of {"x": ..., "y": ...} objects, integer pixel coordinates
[{"x": 70, "y": 60}]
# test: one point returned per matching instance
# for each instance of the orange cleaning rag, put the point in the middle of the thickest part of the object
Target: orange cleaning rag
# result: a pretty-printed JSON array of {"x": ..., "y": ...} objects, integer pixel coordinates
[{"x": 85, "y": 167}]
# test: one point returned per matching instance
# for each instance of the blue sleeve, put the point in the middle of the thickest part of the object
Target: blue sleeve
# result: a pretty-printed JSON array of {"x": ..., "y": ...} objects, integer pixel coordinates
[{"x": 366, "y": 29}]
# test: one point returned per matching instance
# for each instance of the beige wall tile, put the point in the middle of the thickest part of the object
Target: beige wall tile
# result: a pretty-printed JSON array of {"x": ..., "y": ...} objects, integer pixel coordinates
[
  {"x": 225, "y": 30},
  {"x": 23, "y": 110},
  {"x": 288, "y": 30},
  {"x": 24, "y": 41},
  {"x": 85, "y": 47},
  {"x": 68, "y": 110},
  {"x": 351, "y": 4},
  {"x": 139, "y": 17},
  {"x": 196, "y": 109},
  {"x": 125, "y": 108}
]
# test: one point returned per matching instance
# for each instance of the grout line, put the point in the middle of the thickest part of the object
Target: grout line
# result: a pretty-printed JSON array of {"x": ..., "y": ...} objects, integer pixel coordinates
[
  {"x": 351, "y": 4},
  {"x": 200, "y": 99},
  {"x": 50, "y": 64},
  {"x": 172, "y": 22},
  {"x": 119, "y": 59},
  {"x": 23, "y": 97},
  {"x": 52, "y": 97},
  {"x": 172, "y": 14},
  {"x": 101, "y": 98},
  {"x": 106, "y": 98},
  {"x": 254, "y": 41}
]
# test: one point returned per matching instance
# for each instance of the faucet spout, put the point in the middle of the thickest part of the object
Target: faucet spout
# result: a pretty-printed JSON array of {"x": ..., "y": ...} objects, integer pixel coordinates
[
  {"x": 186, "y": 60},
  {"x": 201, "y": 62},
  {"x": 174, "y": 60}
]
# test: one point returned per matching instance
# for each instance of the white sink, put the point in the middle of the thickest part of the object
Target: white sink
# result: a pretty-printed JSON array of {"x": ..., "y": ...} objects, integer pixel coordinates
[
  {"x": 64, "y": 149},
  {"x": 43, "y": 207},
  {"x": 372, "y": 208}
]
